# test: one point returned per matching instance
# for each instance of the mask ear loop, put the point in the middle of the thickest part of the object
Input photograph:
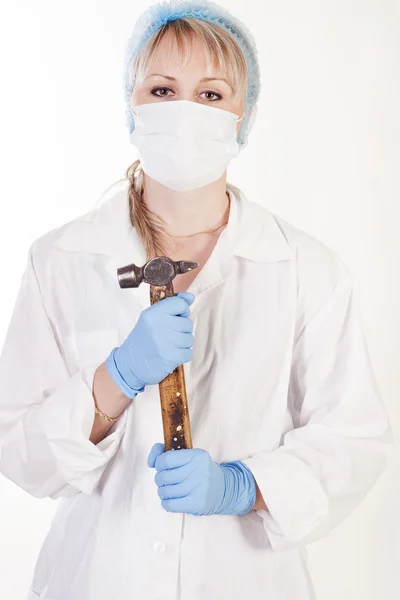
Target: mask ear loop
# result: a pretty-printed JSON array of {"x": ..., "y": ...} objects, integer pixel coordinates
[{"x": 238, "y": 121}]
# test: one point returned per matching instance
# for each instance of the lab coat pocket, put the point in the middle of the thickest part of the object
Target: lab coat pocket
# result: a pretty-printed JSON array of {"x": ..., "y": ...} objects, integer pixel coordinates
[
  {"x": 84, "y": 348},
  {"x": 32, "y": 595}
]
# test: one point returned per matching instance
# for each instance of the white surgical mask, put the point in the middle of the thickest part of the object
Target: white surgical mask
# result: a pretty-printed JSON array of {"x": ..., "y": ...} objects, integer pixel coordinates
[{"x": 182, "y": 144}]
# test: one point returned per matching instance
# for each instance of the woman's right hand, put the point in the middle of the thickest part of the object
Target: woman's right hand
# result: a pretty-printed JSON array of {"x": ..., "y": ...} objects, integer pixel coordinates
[{"x": 160, "y": 341}]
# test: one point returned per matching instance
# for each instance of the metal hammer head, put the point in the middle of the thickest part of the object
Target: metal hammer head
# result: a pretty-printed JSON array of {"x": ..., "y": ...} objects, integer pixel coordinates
[{"x": 160, "y": 270}]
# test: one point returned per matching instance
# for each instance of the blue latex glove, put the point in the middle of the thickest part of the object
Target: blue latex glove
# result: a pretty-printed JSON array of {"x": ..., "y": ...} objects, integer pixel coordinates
[
  {"x": 189, "y": 481},
  {"x": 160, "y": 341}
]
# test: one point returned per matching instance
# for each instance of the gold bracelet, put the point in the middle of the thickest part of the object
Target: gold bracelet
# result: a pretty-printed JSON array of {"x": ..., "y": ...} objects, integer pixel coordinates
[{"x": 101, "y": 414}]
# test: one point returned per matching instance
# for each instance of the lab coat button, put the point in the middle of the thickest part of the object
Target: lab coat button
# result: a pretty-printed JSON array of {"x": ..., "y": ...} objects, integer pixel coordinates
[{"x": 159, "y": 547}]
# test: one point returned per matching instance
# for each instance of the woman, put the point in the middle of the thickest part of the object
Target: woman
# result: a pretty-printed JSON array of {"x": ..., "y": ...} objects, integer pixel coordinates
[{"x": 287, "y": 423}]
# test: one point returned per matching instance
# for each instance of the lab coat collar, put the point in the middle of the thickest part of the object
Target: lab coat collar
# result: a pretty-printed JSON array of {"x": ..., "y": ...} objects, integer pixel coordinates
[{"x": 252, "y": 231}]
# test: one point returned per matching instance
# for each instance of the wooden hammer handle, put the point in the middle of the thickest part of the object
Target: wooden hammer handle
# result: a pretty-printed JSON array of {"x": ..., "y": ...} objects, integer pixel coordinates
[{"x": 173, "y": 398}]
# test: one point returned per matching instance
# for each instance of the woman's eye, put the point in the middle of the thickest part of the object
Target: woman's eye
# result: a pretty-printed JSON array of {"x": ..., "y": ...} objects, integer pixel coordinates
[
  {"x": 160, "y": 89},
  {"x": 217, "y": 96}
]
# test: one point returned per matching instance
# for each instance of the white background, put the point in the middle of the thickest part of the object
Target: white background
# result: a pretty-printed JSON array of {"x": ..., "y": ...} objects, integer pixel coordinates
[{"x": 324, "y": 155}]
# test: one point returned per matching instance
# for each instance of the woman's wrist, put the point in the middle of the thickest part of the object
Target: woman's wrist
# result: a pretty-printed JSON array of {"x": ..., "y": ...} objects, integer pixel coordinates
[
  {"x": 259, "y": 503},
  {"x": 109, "y": 400},
  {"x": 109, "y": 397}
]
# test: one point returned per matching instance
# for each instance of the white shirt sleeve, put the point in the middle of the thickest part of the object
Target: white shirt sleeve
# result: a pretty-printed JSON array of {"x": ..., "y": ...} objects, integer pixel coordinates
[
  {"x": 342, "y": 439},
  {"x": 46, "y": 415}
]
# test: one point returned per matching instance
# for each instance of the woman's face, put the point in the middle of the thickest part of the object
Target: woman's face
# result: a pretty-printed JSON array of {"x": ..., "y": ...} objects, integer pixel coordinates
[{"x": 167, "y": 80}]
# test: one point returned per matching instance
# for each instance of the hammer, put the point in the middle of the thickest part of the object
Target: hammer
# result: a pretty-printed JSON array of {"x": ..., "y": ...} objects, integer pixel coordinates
[{"x": 159, "y": 272}]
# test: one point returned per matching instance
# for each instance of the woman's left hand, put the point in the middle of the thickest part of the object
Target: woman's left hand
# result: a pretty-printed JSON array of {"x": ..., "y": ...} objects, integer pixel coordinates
[{"x": 189, "y": 481}]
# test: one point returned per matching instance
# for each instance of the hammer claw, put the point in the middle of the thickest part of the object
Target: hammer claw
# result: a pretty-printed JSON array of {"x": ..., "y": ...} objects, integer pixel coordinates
[{"x": 183, "y": 266}]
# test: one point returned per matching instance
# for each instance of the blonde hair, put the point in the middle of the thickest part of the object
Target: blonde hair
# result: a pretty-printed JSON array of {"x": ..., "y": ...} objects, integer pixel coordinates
[{"x": 222, "y": 50}]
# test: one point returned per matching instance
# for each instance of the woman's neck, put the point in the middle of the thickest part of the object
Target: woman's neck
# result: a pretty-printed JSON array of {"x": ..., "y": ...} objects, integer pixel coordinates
[{"x": 188, "y": 212}]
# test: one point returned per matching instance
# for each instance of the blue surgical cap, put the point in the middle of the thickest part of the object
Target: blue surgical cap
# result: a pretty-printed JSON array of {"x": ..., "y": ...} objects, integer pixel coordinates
[{"x": 158, "y": 14}]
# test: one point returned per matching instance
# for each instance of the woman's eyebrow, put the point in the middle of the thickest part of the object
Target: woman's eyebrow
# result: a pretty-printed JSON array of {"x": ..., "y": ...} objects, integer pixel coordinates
[
  {"x": 204, "y": 79},
  {"x": 216, "y": 79}
]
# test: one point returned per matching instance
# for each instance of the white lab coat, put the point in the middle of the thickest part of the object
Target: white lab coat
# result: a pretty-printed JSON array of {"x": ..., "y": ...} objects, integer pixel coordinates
[{"x": 280, "y": 378}]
